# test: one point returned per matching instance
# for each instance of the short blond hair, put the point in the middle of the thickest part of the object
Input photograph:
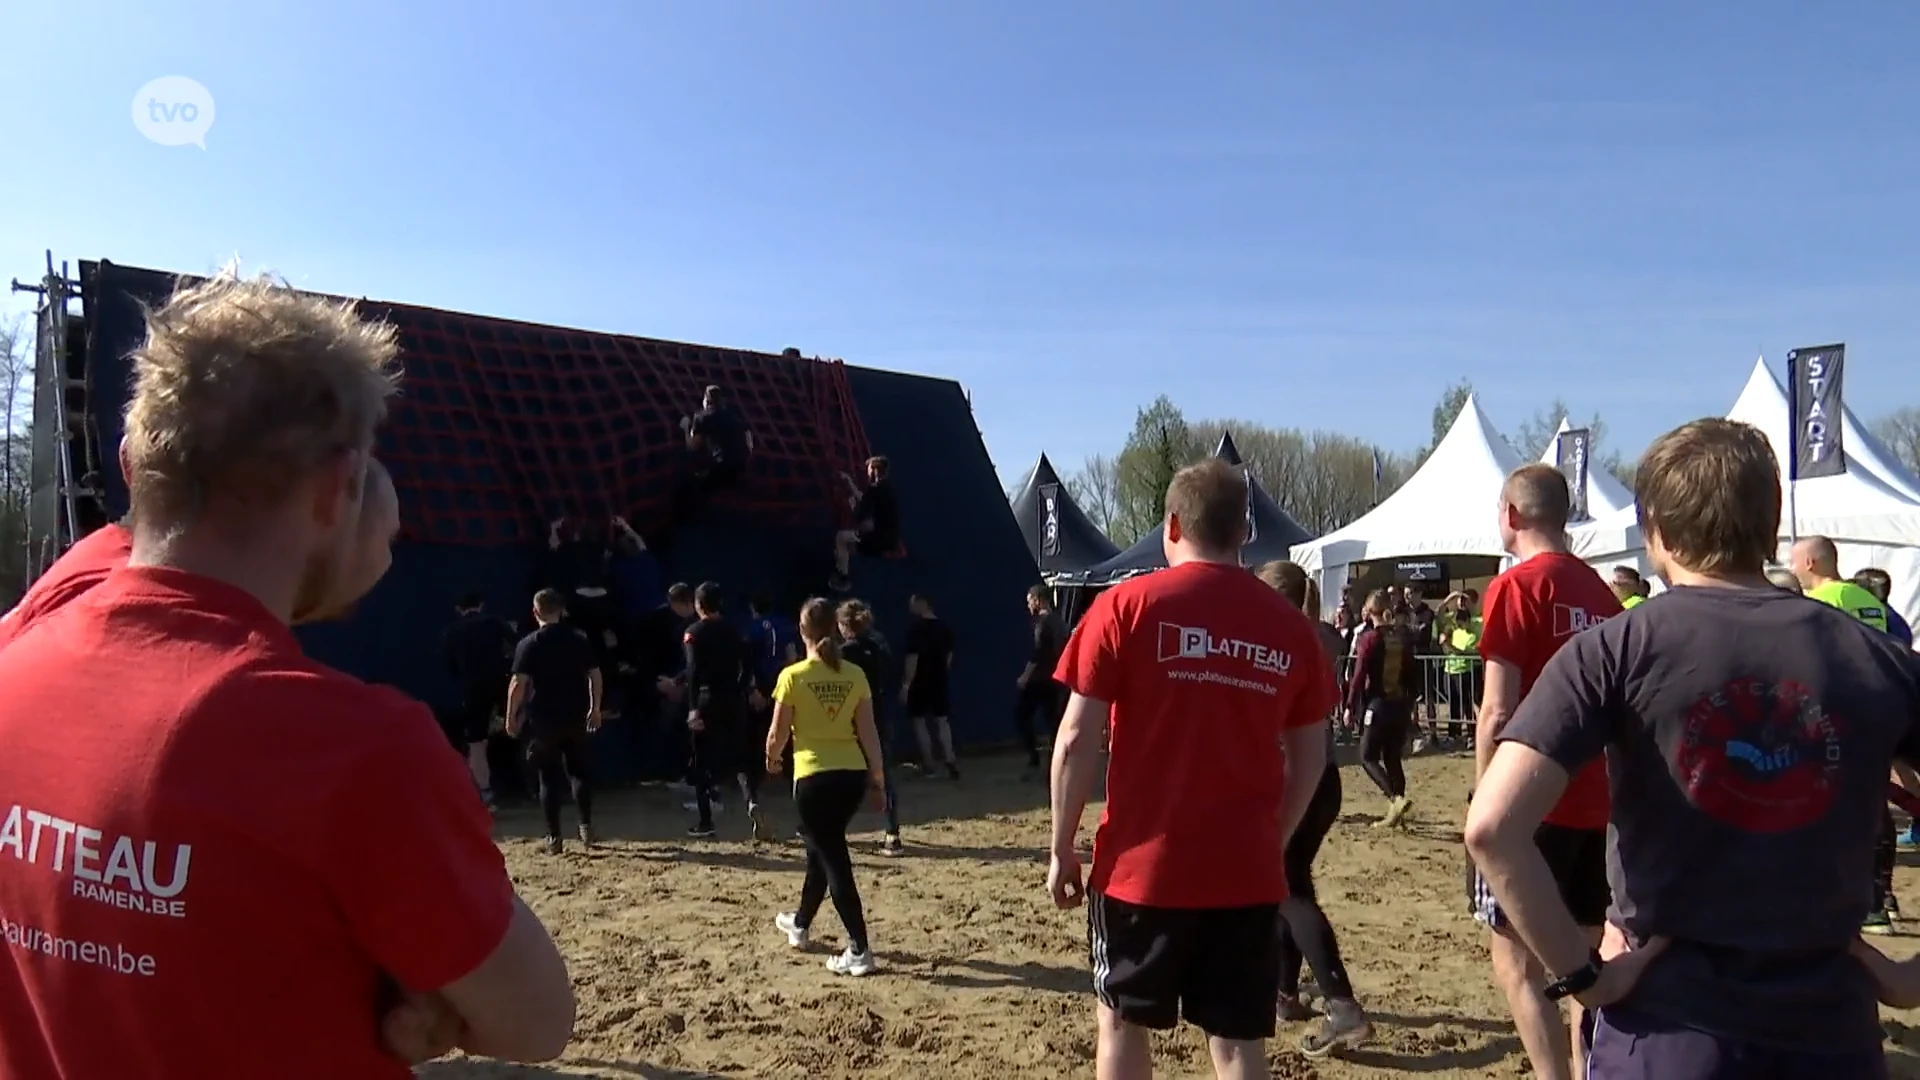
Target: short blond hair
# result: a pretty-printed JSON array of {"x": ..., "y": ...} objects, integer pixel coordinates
[{"x": 241, "y": 386}]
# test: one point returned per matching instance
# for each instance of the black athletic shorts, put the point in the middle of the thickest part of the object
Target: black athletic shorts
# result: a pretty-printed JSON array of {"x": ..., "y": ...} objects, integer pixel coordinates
[
  {"x": 876, "y": 545},
  {"x": 1219, "y": 968},
  {"x": 475, "y": 718},
  {"x": 927, "y": 704},
  {"x": 1578, "y": 859}
]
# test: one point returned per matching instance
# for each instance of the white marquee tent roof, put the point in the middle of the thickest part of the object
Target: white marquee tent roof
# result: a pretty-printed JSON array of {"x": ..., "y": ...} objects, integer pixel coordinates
[
  {"x": 1875, "y": 501},
  {"x": 1448, "y": 507},
  {"x": 1606, "y": 495}
]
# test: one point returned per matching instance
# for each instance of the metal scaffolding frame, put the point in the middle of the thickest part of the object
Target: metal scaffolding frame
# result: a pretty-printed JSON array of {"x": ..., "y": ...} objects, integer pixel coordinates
[{"x": 57, "y": 419}]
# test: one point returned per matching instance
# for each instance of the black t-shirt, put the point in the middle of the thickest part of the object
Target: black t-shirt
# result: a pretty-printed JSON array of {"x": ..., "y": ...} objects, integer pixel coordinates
[
  {"x": 932, "y": 643},
  {"x": 717, "y": 666},
  {"x": 1049, "y": 638},
  {"x": 870, "y": 654},
  {"x": 479, "y": 652},
  {"x": 722, "y": 433},
  {"x": 658, "y": 647},
  {"x": 557, "y": 658},
  {"x": 578, "y": 564},
  {"x": 879, "y": 513},
  {"x": 1748, "y": 733}
]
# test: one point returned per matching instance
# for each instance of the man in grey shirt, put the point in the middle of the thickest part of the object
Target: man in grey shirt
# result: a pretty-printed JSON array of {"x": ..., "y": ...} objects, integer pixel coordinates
[{"x": 1748, "y": 734}]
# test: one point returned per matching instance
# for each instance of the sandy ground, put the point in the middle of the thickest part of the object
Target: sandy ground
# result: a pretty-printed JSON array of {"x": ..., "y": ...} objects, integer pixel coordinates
[{"x": 680, "y": 973}]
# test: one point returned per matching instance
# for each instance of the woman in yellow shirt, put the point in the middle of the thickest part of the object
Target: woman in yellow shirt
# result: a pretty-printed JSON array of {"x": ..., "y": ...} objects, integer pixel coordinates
[{"x": 825, "y": 705}]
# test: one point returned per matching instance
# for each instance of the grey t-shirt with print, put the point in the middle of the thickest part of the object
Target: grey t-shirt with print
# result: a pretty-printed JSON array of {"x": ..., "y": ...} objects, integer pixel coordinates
[{"x": 1748, "y": 735}]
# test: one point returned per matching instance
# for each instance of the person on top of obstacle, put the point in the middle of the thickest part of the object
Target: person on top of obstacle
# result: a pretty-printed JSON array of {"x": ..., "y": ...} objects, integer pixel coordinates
[
  {"x": 876, "y": 515},
  {"x": 1188, "y": 878},
  {"x": 239, "y": 766},
  {"x": 1747, "y": 736},
  {"x": 719, "y": 445}
]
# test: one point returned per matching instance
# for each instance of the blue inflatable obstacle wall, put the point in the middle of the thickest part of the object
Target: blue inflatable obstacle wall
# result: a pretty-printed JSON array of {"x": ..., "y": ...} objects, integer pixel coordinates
[{"x": 503, "y": 426}]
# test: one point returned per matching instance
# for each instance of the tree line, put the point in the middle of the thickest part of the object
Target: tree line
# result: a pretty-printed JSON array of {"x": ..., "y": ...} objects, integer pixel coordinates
[
  {"x": 16, "y": 479},
  {"x": 1326, "y": 479}
]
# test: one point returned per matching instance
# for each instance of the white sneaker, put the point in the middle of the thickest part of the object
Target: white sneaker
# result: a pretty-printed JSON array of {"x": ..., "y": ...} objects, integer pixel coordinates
[
  {"x": 789, "y": 924},
  {"x": 852, "y": 964}
]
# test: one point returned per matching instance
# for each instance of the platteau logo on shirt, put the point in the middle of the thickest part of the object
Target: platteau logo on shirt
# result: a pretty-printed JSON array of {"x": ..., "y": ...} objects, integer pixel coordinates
[
  {"x": 119, "y": 871},
  {"x": 1569, "y": 620},
  {"x": 1196, "y": 643}
]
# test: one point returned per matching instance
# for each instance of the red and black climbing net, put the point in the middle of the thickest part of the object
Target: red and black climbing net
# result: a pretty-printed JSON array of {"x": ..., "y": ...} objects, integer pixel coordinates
[{"x": 502, "y": 426}]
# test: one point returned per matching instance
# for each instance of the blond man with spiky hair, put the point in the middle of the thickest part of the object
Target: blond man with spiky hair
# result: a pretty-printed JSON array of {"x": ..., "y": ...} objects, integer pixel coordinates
[{"x": 236, "y": 848}]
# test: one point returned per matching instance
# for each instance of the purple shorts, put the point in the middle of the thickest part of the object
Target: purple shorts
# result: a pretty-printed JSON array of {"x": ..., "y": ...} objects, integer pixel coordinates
[{"x": 1628, "y": 1045}]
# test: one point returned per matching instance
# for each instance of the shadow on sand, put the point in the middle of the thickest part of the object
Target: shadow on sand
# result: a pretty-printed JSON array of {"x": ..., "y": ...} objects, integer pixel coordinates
[{"x": 476, "y": 1069}]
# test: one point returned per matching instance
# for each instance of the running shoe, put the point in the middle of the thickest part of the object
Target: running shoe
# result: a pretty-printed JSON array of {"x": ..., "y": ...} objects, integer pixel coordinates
[
  {"x": 762, "y": 832},
  {"x": 486, "y": 800},
  {"x": 1877, "y": 923},
  {"x": 852, "y": 964},
  {"x": 788, "y": 923},
  {"x": 1386, "y": 818},
  {"x": 1910, "y": 839},
  {"x": 1345, "y": 1028},
  {"x": 1397, "y": 813},
  {"x": 701, "y": 830},
  {"x": 586, "y": 834},
  {"x": 953, "y": 771},
  {"x": 890, "y": 845},
  {"x": 552, "y": 845}
]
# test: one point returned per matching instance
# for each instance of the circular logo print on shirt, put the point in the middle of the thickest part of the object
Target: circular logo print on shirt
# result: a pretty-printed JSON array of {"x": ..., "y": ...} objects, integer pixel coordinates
[{"x": 1762, "y": 757}]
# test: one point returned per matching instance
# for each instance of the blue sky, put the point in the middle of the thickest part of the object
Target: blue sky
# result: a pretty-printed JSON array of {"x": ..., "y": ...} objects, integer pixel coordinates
[{"x": 1309, "y": 215}]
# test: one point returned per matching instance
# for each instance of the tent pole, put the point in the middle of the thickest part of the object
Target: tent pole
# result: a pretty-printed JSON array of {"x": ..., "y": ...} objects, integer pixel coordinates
[{"x": 1793, "y": 446}]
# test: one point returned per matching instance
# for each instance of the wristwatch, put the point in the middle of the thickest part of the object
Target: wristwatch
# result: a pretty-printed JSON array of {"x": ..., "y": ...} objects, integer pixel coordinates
[{"x": 1579, "y": 982}]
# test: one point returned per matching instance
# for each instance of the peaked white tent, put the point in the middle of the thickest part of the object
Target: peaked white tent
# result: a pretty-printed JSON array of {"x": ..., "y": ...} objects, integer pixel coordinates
[
  {"x": 1871, "y": 511},
  {"x": 1448, "y": 507},
  {"x": 1606, "y": 495}
]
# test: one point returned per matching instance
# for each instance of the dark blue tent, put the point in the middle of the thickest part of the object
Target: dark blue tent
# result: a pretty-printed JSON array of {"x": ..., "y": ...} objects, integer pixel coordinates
[
  {"x": 1058, "y": 533},
  {"x": 1271, "y": 534}
]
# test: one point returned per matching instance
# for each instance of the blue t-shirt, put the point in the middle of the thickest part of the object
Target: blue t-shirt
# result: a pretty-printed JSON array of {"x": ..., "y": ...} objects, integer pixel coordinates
[
  {"x": 1898, "y": 628},
  {"x": 768, "y": 637}
]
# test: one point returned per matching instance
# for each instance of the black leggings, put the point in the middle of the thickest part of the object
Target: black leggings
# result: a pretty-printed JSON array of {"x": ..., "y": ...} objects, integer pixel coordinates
[
  {"x": 722, "y": 752},
  {"x": 1041, "y": 696},
  {"x": 1384, "y": 740},
  {"x": 827, "y": 802},
  {"x": 1305, "y": 932},
  {"x": 560, "y": 759}
]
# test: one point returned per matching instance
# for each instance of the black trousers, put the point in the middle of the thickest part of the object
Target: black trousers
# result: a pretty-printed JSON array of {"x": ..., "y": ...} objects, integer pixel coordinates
[
  {"x": 721, "y": 752},
  {"x": 559, "y": 759},
  {"x": 827, "y": 803},
  {"x": 1040, "y": 700},
  {"x": 1885, "y": 855},
  {"x": 1305, "y": 933},
  {"x": 1384, "y": 742}
]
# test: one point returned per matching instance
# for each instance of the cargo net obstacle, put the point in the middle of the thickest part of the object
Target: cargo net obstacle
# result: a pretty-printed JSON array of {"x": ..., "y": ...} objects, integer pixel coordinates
[{"x": 501, "y": 427}]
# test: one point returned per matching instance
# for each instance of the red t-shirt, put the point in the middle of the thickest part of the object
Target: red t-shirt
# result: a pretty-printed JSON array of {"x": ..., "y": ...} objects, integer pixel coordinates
[
  {"x": 1530, "y": 611},
  {"x": 212, "y": 847},
  {"x": 84, "y": 565},
  {"x": 1203, "y": 666}
]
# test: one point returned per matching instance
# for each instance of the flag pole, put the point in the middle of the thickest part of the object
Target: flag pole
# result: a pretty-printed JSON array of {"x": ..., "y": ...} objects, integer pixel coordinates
[{"x": 1793, "y": 443}]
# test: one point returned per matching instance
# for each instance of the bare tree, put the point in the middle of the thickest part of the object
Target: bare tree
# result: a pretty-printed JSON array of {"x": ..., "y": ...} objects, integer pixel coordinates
[
  {"x": 1900, "y": 431},
  {"x": 1096, "y": 489},
  {"x": 16, "y": 478}
]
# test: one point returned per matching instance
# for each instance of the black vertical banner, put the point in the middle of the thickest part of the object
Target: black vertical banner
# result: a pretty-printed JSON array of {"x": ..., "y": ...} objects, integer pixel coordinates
[
  {"x": 1575, "y": 452},
  {"x": 1049, "y": 520},
  {"x": 1253, "y": 529},
  {"x": 1817, "y": 407}
]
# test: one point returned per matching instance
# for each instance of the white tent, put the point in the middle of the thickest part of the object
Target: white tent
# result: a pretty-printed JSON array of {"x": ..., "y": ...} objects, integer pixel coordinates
[
  {"x": 1449, "y": 507},
  {"x": 1869, "y": 511},
  {"x": 1606, "y": 495}
]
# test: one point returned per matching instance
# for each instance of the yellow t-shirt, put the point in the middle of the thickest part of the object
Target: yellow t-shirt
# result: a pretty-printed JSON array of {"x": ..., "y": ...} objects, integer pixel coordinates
[
  {"x": 1853, "y": 600},
  {"x": 1632, "y": 602},
  {"x": 824, "y": 702}
]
